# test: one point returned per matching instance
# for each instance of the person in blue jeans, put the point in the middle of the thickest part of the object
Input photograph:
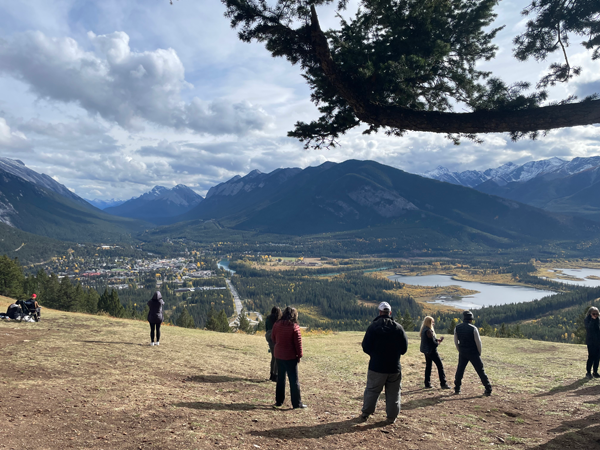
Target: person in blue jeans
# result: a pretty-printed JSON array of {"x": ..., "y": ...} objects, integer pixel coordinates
[
  {"x": 385, "y": 341},
  {"x": 468, "y": 344},
  {"x": 287, "y": 339}
]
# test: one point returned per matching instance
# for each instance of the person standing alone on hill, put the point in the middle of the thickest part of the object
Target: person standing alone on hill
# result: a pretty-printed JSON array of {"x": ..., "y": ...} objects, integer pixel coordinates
[
  {"x": 592, "y": 339},
  {"x": 468, "y": 344},
  {"x": 429, "y": 345},
  {"x": 385, "y": 341},
  {"x": 288, "y": 351},
  {"x": 269, "y": 322},
  {"x": 155, "y": 316}
]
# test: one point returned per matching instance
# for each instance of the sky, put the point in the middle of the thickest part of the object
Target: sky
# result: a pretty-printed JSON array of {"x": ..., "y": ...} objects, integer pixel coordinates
[{"x": 111, "y": 98}]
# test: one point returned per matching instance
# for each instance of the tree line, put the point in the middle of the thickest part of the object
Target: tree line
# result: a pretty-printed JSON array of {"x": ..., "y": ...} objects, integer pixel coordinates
[{"x": 65, "y": 295}]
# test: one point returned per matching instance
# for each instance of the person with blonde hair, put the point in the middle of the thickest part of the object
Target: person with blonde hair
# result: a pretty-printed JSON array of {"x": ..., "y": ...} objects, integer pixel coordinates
[
  {"x": 429, "y": 345},
  {"x": 592, "y": 339}
]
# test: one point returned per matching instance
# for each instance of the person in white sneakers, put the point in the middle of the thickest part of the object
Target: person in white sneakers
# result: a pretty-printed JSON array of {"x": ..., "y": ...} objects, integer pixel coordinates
[{"x": 155, "y": 316}]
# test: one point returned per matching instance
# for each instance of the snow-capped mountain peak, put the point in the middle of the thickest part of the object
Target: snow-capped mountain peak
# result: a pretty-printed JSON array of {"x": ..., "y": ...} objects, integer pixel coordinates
[{"x": 511, "y": 172}]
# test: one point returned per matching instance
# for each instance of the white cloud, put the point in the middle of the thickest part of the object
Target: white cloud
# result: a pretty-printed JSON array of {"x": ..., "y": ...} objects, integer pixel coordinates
[
  {"x": 175, "y": 97},
  {"x": 12, "y": 140},
  {"x": 119, "y": 84}
]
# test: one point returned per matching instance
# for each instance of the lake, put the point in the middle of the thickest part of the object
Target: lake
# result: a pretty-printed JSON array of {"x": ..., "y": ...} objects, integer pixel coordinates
[
  {"x": 582, "y": 274},
  {"x": 489, "y": 294}
]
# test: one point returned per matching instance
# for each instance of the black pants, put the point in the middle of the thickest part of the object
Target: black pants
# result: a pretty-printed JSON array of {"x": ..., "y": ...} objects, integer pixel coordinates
[
  {"x": 593, "y": 358},
  {"x": 291, "y": 368},
  {"x": 274, "y": 370},
  {"x": 152, "y": 327},
  {"x": 431, "y": 358},
  {"x": 477, "y": 363}
]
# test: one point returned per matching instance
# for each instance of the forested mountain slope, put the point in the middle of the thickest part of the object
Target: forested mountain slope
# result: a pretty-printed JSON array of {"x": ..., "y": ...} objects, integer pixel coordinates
[
  {"x": 35, "y": 209},
  {"x": 356, "y": 195}
]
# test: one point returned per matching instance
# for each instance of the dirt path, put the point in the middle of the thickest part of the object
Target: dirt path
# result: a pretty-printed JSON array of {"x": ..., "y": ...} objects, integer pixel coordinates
[{"x": 77, "y": 381}]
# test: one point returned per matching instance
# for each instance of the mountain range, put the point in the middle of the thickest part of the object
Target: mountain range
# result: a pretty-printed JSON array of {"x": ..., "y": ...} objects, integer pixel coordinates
[
  {"x": 158, "y": 205},
  {"x": 367, "y": 198},
  {"x": 37, "y": 204},
  {"x": 568, "y": 187},
  {"x": 20, "y": 170},
  {"x": 350, "y": 200}
]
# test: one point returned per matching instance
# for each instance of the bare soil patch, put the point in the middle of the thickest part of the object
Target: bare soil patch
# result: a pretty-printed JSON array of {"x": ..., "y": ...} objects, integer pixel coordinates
[{"x": 91, "y": 382}]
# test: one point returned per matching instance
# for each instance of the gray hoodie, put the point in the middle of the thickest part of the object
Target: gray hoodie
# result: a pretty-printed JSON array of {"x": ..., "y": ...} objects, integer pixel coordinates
[{"x": 155, "y": 315}]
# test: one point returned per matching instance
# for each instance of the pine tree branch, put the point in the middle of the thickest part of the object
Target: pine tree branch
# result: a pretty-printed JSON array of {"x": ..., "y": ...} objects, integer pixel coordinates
[{"x": 481, "y": 121}]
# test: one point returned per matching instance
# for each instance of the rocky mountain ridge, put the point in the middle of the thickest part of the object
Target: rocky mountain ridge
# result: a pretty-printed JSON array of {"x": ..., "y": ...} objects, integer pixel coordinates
[{"x": 511, "y": 172}]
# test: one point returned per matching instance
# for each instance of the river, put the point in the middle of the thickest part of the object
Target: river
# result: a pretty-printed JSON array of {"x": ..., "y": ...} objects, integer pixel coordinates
[
  {"x": 488, "y": 295},
  {"x": 224, "y": 264}
]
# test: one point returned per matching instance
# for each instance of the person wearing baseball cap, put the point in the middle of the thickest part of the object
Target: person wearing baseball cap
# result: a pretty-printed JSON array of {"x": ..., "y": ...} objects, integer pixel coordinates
[
  {"x": 468, "y": 344},
  {"x": 33, "y": 301},
  {"x": 385, "y": 341}
]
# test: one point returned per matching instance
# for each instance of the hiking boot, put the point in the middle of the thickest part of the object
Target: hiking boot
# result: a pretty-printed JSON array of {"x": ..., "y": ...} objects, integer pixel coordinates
[
  {"x": 390, "y": 421},
  {"x": 444, "y": 386},
  {"x": 363, "y": 417},
  {"x": 488, "y": 391},
  {"x": 596, "y": 375},
  {"x": 589, "y": 376}
]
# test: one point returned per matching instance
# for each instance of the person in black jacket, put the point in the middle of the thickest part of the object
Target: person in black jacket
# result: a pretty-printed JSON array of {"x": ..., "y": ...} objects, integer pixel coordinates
[
  {"x": 155, "y": 316},
  {"x": 592, "y": 339},
  {"x": 385, "y": 341},
  {"x": 269, "y": 322},
  {"x": 468, "y": 344},
  {"x": 429, "y": 345}
]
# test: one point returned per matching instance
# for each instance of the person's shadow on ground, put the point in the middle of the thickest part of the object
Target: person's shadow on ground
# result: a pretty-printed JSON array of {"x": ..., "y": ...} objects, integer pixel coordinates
[
  {"x": 581, "y": 434},
  {"x": 569, "y": 387},
  {"x": 221, "y": 406},
  {"x": 112, "y": 343},
  {"x": 353, "y": 425},
  {"x": 221, "y": 379}
]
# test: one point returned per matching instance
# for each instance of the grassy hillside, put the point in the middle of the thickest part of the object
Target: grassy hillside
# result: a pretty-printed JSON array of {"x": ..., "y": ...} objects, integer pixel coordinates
[{"x": 78, "y": 381}]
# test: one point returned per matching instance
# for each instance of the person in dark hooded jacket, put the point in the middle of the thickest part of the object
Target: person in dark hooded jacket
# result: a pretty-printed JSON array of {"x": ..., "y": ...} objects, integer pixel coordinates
[
  {"x": 155, "y": 316},
  {"x": 385, "y": 341},
  {"x": 592, "y": 339}
]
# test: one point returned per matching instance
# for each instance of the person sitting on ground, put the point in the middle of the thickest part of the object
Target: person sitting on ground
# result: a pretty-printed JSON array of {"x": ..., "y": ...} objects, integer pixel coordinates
[
  {"x": 385, "y": 341},
  {"x": 288, "y": 351},
  {"x": 592, "y": 339},
  {"x": 269, "y": 322},
  {"x": 33, "y": 301},
  {"x": 429, "y": 345},
  {"x": 155, "y": 316},
  {"x": 468, "y": 344}
]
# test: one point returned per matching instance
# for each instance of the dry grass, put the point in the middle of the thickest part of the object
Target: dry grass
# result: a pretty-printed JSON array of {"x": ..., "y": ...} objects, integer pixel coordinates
[{"x": 80, "y": 381}]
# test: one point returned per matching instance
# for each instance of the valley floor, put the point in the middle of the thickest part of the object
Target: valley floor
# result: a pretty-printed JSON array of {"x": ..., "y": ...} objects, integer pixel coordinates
[{"x": 80, "y": 381}]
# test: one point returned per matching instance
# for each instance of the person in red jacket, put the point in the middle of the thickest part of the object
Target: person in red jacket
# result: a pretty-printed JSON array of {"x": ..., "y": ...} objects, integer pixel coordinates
[{"x": 288, "y": 351}]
